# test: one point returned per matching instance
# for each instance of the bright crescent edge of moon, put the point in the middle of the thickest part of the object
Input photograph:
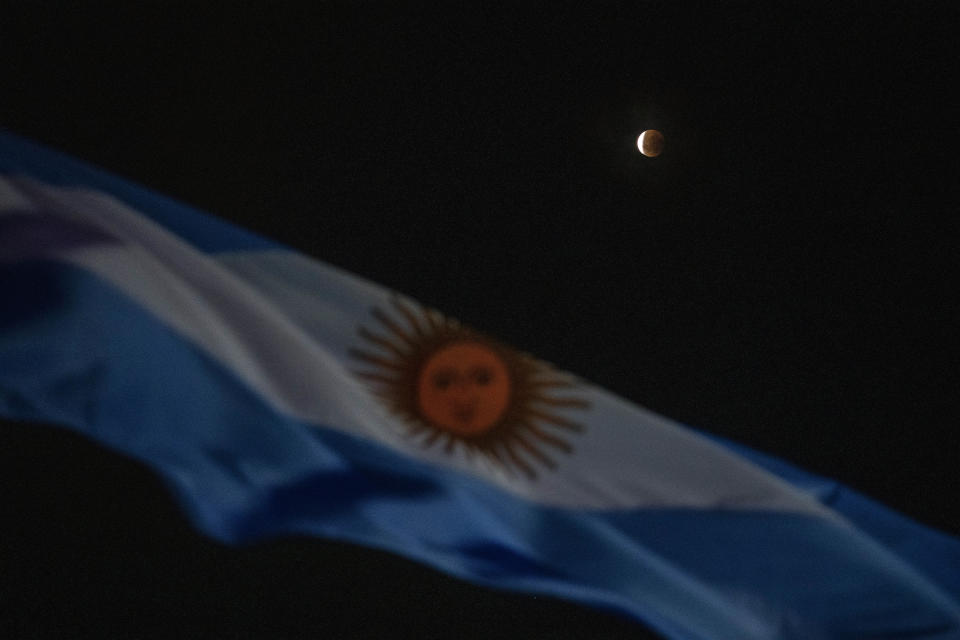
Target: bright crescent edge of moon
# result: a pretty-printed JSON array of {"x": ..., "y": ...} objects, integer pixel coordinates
[{"x": 640, "y": 142}]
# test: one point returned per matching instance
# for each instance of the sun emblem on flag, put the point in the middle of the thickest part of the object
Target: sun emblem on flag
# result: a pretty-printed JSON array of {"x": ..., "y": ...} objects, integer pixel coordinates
[{"x": 454, "y": 387}]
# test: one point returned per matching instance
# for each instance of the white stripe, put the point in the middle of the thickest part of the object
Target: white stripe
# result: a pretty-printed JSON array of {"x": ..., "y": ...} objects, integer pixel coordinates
[
  {"x": 11, "y": 197},
  {"x": 283, "y": 323}
]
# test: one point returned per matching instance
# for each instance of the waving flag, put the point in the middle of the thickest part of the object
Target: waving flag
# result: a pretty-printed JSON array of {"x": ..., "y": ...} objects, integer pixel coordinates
[{"x": 277, "y": 394}]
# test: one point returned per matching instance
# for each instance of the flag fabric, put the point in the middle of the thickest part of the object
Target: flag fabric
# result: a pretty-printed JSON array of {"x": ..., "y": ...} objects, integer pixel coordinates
[{"x": 275, "y": 394}]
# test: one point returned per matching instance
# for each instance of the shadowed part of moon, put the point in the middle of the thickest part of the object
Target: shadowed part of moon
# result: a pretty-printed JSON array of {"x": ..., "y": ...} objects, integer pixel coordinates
[{"x": 650, "y": 143}]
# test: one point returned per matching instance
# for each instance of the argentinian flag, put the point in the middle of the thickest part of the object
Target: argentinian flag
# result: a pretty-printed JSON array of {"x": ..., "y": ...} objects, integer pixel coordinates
[{"x": 277, "y": 394}]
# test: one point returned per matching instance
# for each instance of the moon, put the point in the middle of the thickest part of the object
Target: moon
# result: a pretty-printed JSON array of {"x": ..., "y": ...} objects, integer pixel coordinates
[{"x": 650, "y": 143}]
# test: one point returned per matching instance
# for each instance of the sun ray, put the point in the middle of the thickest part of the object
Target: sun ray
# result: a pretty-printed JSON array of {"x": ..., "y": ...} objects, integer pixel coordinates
[
  {"x": 548, "y": 438},
  {"x": 535, "y": 452},
  {"x": 555, "y": 420},
  {"x": 435, "y": 320},
  {"x": 552, "y": 383},
  {"x": 381, "y": 341},
  {"x": 578, "y": 403},
  {"x": 394, "y": 328},
  {"x": 408, "y": 315},
  {"x": 432, "y": 438},
  {"x": 517, "y": 461},
  {"x": 494, "y": 452},
  {"x": 450, "y": 443},
  {"x": 416, "y": 429},
  {"x": 385, "y": 395},
  {"x": 377, "y": 377},
  {"x": 369, "y": 358}
]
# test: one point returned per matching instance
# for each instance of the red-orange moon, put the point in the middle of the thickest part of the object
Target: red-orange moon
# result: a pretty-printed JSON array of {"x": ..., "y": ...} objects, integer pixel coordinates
[
  {"x": 464, "y": 388},
  {"x": 650, "y": 143}
]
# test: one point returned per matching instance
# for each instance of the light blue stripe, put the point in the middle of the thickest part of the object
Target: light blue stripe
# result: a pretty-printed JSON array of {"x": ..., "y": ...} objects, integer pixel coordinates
[
  {"x": 935, "y": 554},
  {"x": 76, "y": 352},
  {"x": 207, "y": 233}
]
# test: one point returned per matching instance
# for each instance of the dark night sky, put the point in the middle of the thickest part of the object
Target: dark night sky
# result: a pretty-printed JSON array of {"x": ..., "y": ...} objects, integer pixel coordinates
[{"x": 782, "y": 275}]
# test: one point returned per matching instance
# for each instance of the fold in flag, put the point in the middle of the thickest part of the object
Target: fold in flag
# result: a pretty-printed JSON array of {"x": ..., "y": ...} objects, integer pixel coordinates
[{"x": 276, "y": 394}]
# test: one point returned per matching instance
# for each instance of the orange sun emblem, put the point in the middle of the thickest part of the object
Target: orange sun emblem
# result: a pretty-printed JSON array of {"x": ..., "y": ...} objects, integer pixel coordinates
[{"x": 454, "y": 386}]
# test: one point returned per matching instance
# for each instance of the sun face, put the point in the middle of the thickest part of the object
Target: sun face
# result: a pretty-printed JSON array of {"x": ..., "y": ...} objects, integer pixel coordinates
[
  {"x": 454, "y": 387},
  {"x": 464, "y": 388}
]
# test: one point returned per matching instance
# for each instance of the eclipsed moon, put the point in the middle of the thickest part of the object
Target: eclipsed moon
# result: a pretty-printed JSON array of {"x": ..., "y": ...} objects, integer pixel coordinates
[{"x": 650, "y": 143}]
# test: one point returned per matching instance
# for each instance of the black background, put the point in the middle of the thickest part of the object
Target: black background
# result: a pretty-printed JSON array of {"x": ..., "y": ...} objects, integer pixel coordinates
[{"x": 783, "y": 275}]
